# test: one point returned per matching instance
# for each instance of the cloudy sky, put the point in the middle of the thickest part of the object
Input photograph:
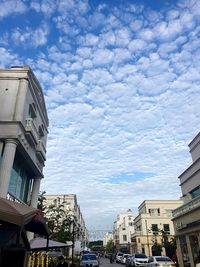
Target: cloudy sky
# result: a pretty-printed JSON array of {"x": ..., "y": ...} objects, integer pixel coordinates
[{"x": 121, "y": 80}]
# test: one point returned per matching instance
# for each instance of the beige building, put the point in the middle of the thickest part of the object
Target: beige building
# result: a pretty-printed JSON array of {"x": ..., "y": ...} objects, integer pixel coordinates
[
  {"x": 122, "y": 229},
  {"x": 154, "y": 217},
  {"x": 187, "y": 217},
  {"x": 78, "y": 224},
  {"x": 23, "y": 135},
  {"x": 107, "y": 237}
]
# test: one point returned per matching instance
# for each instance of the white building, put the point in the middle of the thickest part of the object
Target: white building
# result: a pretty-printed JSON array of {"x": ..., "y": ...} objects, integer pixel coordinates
[
  {"x": 123, "y": 228},
  {"x": 23, "y": 135},
  {"x": 78, "y": 224},
  {"x": 107, "y": 237},
  {"x": 154, "y": 217},
  {"x": 186, "y": 218}
]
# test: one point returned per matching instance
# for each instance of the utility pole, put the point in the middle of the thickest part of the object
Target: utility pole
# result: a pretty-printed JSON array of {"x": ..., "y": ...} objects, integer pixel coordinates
[
  {"x": 73, "y": 239},
  {"x": 147, "y": 237}
]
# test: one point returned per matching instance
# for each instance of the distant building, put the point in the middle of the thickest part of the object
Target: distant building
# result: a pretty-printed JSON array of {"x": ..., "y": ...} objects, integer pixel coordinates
[
  {"x": 187, "y": 217},
  {"x": 154, "y": 217},
  {"x": 122, "y": 229},
  {"x": 107, "y": 237},
  {"x": 71, "y": 206},
  {"x": 23, "y": 135}
]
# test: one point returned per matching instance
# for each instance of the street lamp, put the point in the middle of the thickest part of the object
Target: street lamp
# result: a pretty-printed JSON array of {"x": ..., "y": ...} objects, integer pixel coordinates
[{"x": 147, "y": 237}]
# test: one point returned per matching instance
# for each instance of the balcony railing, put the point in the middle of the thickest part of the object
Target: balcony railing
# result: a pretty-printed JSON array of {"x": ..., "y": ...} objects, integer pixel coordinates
[
  {"x": 185, "y": 208},
  {"x": 41, "y": 151},
  {"x": 31, "y": 132},
  {"x": 13, "y": 198}
]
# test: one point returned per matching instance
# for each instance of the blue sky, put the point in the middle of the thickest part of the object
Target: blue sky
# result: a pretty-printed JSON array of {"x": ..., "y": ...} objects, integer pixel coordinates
[{"x": 121, "y": 82}]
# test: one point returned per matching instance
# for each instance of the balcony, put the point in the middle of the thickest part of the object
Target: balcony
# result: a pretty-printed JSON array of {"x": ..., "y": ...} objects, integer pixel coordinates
[
  {"x": 185, "y": 208},
  {"x": 31, "y": 132},
  {"x": 41, "y": 151}
]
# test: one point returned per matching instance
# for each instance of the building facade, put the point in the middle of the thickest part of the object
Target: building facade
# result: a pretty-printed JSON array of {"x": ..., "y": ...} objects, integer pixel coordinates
[
  {"x": 107, "y": 237},
  {"x": 187, "y": 217},
  {"x": 72, "y": 208},
  {"x": 123, "y": 228},
  {"x": 153, "y": 220},
  {"x": 23, "y": 135}
]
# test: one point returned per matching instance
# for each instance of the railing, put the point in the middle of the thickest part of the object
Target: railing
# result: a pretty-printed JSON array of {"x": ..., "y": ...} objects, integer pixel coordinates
[
  {"x": 31, "y": 131},
  {"x": 191, "y": 205},
  {"x": 41, "y": 148},
  {"x": 14, "y": 198}
]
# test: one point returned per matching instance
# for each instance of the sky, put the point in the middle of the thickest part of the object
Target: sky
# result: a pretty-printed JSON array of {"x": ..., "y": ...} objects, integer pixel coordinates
[{"x": 121, "y": 80}]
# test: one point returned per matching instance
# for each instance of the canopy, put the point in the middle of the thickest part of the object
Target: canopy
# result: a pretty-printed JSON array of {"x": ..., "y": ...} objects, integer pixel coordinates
[
  {"x": 23, "y": 215},
  {"x": 40, "y": 243}
]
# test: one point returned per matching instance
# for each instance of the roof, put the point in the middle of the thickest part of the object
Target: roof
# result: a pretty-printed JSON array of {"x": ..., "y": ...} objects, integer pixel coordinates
[
  {"x": 23, "y": 215},
  {"x": 41, "y": 243}
]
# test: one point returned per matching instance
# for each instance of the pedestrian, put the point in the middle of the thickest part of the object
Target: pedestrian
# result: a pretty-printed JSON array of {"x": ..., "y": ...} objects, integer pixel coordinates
[
  {"x": 61, "y": 262},
  {"x": 111, "y": 258}
]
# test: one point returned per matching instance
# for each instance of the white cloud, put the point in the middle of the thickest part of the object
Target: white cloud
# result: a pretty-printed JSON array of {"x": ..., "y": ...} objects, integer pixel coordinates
[
  {"x": 31, "y": 37},
  {"x": 8, "y": 7},
  {"x": 102, "y": 56},
  {"x": 115, "y": 79}
]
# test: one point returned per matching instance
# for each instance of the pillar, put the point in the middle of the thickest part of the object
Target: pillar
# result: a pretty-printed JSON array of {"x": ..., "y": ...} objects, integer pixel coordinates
[
  {"x": 34, "y": 200},
  {"x": 6, "y": 165},
  {"x": 35, "y": 192}
]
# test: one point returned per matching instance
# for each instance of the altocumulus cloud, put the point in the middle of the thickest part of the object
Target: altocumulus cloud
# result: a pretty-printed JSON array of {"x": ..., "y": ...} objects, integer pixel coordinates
[{"x": 121, "y": 83}]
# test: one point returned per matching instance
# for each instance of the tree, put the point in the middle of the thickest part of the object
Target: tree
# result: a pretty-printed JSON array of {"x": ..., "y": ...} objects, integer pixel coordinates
[
  {"x": 168, "y": 244},
  {"x": 41, "y": 201},
  {"x": 60, "y": 221},
  {"x": 110, "y": 246}
]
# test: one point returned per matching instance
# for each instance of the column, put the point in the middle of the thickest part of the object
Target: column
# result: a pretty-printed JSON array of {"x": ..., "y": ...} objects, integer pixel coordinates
[
  {"x": 35, "y": 192},
  {"x": 6, "y": 165},
  {"x": 34, "y": 200}
]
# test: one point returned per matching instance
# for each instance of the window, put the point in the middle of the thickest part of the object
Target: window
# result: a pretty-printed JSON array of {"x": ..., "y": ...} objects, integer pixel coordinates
[
  {"x": 130, "y": 224},
  {"x": 32, "y": 111},
  {"x": 168, "y": 213},
  {"x": 20, "y": 183},
  {"x": 166, "y": 228},
  {"x": 196, "y": 192},
  {"x": 123, "y": 229},
  {"x": 154, "y": 228},
  {"x": 124, "y": 238},
  {"x": 154, "y": 212}
]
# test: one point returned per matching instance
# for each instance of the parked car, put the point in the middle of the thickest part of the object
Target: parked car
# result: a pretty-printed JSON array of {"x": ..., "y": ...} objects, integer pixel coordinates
[
  {"x": 89, "y": 260},
  {"x": 138, "y": 260},
  {"x": 124, "y": 258},
  {"x": 119, "y": 256},
  {"x": 161, "y": 261},
  {"x": 127, "y": 263},
  {"x": 107, "y": 255}
]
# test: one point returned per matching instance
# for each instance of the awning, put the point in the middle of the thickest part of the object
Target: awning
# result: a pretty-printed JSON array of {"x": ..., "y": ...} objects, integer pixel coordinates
[
  {"x": 39, "y": 243},
  {"x": 24, "y": 216}
]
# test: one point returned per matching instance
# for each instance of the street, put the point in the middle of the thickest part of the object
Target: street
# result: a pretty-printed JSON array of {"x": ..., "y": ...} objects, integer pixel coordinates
[{"x": 104, "y": 262}]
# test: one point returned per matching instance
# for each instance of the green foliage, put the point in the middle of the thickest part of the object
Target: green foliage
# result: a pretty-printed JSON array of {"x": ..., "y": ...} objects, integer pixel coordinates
[
  {"x": 41, "y": 201},
  {"x": 168, "y": 244},
  {"x": 110, "y": 246},
  {"x": 60, "y": 221}
]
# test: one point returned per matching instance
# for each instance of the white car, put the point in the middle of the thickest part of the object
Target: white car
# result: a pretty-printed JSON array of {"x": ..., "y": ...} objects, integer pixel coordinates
[
  {"x": 119, "y": 256},
  {"x": 124, "y": 257},
  {"x": 161, "y": 261},
  {"x": 138, "y": 259}
]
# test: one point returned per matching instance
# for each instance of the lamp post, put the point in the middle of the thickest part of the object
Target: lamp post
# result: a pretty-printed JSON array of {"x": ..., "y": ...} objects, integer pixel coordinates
[{"x": 147, "y": 237}]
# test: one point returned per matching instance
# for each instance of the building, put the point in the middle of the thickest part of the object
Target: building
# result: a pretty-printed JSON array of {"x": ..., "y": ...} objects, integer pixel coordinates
[
  {"x": 78, "y": 226},
  {"x": 122, "y": 229},
  {"x": 153, "y": 220},
  {"x": 187, "y": 217},
  {"x": 107, "y": 237},
  {"x": 23, "y": 135}
]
